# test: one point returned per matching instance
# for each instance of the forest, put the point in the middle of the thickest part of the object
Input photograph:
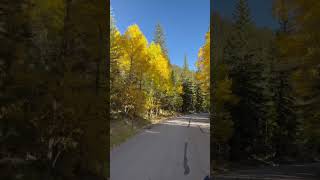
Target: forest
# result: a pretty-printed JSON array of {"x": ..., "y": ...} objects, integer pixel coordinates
[
  {"x": 55, "y": 95},
  {"x": 58, "y": 99},
  {"x": 265, "y": 86},
  {"x": 144, "y": 83},
  {"x": 53, "y": 89}
]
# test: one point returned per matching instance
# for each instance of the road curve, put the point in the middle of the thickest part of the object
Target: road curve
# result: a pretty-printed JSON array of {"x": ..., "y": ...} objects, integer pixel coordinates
[{"x": 177, "y": 149}]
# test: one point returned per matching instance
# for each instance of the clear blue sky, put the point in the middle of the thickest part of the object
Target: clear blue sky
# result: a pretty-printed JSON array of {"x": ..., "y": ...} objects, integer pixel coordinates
[
  {"x": 185, "y": 23},
  {"x": 261, "y": 11}
]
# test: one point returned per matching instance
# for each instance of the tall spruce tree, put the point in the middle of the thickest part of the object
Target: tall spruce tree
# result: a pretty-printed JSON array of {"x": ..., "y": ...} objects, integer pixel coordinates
[
  {"x": 246, "y": 71},
  {"x": 159, "y": 38},
  {"x": 199, "y": 99},
  {"x": 187, "y": 96},
  {"x": 185, "y": 69}
]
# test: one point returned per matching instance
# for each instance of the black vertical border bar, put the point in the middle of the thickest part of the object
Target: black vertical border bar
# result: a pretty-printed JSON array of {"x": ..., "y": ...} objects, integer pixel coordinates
[
  {"x": 211, "y": 87},
  {"x": 107, "y": 41}
]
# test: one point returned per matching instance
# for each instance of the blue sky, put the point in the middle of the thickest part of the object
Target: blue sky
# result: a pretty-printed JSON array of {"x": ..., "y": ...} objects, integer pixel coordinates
[
  {"x": 261, "y": 11},
  {"x": 185, "y": 23}
]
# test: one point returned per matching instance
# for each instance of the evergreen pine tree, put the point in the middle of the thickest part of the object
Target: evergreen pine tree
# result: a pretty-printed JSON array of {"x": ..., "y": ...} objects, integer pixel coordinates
[
  {"x": 198, "y": 99},
  {"x": 246, "y": 71},
  {"x": 159, "y": 38},
  {"x": 187, "y": 96},
  {"x": 185, "y": 69}
]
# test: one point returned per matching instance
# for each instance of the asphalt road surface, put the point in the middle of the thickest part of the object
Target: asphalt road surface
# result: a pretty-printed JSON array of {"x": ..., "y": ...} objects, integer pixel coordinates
[
  {"x": 284, "y": 172},
  {"x": 177, "y": 149}
]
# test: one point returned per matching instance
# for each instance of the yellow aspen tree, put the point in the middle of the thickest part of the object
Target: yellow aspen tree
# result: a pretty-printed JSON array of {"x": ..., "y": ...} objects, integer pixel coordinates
[
  {"x": 134, "y": 65},
  {"x": 203, "y": 65}
]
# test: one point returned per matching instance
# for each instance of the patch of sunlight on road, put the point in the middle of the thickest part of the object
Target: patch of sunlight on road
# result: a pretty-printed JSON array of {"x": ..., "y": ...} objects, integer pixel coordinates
[
  {"x": 193, "y": 117},
  {"x": 202, "y": 124},
  {"x": 152, "y": 132},
  {"x": 176, "y": 122},
  {"x": 186, "y": 123}
]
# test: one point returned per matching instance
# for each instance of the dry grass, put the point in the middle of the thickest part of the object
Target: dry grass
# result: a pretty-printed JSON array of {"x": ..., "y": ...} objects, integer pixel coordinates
[{"x": 121, "y": 127}]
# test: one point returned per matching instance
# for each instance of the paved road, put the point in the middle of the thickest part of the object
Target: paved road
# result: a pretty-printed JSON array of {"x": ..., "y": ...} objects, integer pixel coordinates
[
  {"x": 178, "y": 149},
  {"x": 285, "y": 172}
]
